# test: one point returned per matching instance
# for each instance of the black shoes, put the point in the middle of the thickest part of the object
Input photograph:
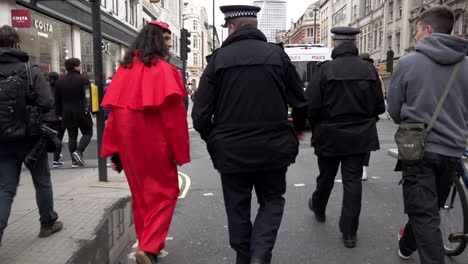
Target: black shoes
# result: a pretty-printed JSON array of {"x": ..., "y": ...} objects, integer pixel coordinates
[
  {"x": 349, "y": 240},
  {"x": 321, "y": 218},
  {"x": 143, "y": 257}
]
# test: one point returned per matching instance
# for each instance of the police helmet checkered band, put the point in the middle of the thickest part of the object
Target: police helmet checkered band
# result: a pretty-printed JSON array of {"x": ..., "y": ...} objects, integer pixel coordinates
[
  {"x": 345, "y": 33},
  {"x": 235, "y": 11}
]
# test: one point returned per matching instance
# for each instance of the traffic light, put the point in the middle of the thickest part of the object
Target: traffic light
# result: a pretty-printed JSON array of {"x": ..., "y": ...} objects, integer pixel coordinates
[
  {"x": 390, "y": 55},
  {"x": 184, "y": 44}
]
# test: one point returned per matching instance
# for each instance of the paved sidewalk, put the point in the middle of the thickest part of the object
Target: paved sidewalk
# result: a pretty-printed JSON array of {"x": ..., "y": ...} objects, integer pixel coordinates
[{"x": 82, "y": 203}]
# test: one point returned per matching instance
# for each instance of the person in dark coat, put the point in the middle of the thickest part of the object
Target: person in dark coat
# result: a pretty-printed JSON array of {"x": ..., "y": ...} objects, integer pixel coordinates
[
  {"x": 71, "y": 108},
  {"x": 241, "y": 112},
  {"x": 53, "y": 121},
  {"x": 345, "y": 100},
  {"x": 14, "y": 153}
]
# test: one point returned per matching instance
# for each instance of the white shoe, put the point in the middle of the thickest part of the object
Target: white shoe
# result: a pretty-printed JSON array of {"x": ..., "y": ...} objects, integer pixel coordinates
[
  {"x": 403, "y": 256},
  {"x": 364, "y": 173}
]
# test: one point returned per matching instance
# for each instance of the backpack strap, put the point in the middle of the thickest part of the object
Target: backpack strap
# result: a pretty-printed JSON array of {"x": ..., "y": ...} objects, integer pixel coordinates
[
  {"x": 453, "y": 75},
  {"x": 32, "y": 91}
]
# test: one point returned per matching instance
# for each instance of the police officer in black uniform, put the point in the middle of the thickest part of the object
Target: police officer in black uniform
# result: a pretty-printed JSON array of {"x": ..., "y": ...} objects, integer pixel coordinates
[
  {"x": 345, "y": 100},
  {"x": 240, "y": 110}
]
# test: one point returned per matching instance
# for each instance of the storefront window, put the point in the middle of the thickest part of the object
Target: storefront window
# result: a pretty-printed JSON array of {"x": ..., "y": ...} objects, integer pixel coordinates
[
  {"x": 48, "y": 42},
  {"x": 87, "y": 60},
  {"x": 110, "y": 56}
]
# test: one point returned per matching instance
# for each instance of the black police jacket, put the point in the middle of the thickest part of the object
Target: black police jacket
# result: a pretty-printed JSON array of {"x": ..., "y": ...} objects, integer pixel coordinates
[
  {"x": 345, "y": 102},
  {"x": 240, "y": 107},
  {"x": 70, "y": 98}
]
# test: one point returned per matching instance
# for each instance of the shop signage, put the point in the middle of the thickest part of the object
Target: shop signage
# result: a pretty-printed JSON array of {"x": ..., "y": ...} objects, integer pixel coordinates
[
  {"x": 21, "y": 18},
  {"x": 43, "y": 26}
]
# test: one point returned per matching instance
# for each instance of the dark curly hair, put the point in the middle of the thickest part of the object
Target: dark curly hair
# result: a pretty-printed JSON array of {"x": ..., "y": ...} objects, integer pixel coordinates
[
  {"x": 71, "y": 63},
  {"x": 149, "y": 46}
]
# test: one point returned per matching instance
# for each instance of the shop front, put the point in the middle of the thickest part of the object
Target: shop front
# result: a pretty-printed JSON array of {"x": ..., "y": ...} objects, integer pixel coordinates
[
  {"x": 111, "y": 55},
  {"x": 47, "y": 41}
]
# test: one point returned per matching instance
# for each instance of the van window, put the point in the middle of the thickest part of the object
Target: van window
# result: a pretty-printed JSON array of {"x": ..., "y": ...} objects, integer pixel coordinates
[{"x": 305, "y": 69}]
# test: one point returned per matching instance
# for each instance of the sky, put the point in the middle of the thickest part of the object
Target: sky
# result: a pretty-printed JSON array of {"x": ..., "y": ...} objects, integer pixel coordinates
[{"x": 294, "y": 10}]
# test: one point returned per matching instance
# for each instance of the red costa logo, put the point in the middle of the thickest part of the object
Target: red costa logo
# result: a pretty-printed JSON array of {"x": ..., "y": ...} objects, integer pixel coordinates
[{"x": 21, "y": 18}]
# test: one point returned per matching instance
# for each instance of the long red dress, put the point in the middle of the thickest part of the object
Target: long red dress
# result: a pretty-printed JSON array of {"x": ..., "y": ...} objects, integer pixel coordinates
[{"x": 148, "y": 128}]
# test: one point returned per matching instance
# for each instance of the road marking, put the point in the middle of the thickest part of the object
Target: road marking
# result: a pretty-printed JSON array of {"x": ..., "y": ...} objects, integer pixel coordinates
[
  {"x": 299, "y": 185},
  {"x": 208, "y": 194},
  {"x": 186, "y": 179},
  {"x": 338, "y": 180}
]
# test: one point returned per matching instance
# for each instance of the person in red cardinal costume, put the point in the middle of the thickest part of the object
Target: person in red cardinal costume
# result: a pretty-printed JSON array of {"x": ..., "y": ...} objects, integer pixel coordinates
[{"x": 147, "y": 134}]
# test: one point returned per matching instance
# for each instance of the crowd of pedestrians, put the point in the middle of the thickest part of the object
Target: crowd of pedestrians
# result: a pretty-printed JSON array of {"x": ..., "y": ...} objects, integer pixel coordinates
[{"x": 252, "y": 146}]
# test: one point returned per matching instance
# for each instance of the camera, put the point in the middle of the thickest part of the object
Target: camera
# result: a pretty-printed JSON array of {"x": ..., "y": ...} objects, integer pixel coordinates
[{"x": 48, "y": 140}]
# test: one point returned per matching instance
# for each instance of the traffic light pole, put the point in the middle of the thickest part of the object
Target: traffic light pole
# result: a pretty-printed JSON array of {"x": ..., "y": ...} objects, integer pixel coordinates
[{"x": 98, "y": 75}]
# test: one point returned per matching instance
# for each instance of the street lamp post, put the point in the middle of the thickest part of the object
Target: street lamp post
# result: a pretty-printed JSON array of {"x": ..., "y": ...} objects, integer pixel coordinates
[
  {"x": 315, "y": 24},
  {"x": 99, "y": 81}
]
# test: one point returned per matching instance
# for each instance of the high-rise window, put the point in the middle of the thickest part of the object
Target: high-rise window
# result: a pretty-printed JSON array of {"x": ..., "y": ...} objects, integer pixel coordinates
[
  {"x": 367, "y": 7},
  {"x": 195, "y": 59},
  {"x": 115, "y": 7},
  {"x": 195, "y": 41},
  {"x": 195, "y": 25},
  {"x": 399, "y": 9},
  {"x": 390, "y": 11},
  {"x": 310, "y": 32}
]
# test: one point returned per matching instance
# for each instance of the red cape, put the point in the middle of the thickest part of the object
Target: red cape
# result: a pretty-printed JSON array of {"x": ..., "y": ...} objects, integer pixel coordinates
[{"x": 142, "y": 87}]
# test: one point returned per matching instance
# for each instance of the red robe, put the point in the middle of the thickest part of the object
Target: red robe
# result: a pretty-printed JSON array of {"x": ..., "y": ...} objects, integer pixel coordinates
[{"x": 148, "y": 128}]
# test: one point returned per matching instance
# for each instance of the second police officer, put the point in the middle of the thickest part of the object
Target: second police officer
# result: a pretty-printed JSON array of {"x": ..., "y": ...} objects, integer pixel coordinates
[{"x": 345, "y": 100}]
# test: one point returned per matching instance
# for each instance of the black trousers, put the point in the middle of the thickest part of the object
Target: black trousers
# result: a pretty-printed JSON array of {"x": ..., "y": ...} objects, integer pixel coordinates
[
  {"x": 426, "y": 185},
  {"x": 257, "y": 240},
  {"x": 85, "y": 125},
  {"x": 351, "y": 172}
]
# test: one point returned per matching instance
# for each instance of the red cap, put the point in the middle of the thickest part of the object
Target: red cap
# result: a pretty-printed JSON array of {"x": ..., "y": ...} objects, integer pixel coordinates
[{"x": 161, "y": 25}]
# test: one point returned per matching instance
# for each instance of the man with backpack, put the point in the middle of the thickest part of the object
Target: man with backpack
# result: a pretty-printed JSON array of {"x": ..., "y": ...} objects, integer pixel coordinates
[
  {"x": 22, "y": 89},
  {"x": 438, "y": 65}
]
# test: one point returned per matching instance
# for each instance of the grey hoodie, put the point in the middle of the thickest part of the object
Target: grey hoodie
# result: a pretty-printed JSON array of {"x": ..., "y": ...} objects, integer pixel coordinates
[{"x": 418, "y": 83}]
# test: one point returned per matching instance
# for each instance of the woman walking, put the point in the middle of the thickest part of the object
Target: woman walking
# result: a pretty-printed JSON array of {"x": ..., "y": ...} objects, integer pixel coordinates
[{"x": 147, "y": 130}]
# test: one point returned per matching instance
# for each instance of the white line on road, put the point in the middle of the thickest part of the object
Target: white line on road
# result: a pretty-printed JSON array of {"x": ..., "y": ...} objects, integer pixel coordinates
[
  {"x": 187, "y": 184},
  {"x": 208, "y": 194},
  {"x": 299, "y": 185}
]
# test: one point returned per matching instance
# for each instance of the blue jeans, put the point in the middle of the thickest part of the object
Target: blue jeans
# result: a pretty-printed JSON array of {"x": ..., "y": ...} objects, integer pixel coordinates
[{"x": 12, "y": 156}]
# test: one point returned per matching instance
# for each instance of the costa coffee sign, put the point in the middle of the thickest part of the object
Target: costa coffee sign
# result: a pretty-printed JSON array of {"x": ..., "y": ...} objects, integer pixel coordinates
[{"x": 21, "y": 18}]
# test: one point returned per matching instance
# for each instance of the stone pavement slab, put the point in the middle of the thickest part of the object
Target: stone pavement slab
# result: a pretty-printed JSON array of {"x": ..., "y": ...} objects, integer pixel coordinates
[{"x": 81, "y": 202}]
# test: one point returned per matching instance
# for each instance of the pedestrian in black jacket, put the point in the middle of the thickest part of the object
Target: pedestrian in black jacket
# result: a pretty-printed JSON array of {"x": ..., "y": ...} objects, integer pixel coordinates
[
  {"x": 240, "y": 110},
  {"x": 345, "y": 100},
  {"x": 71, "y": 108},
  {"x": 53, "y": 121},
  {"x": 13, "y": 153}
]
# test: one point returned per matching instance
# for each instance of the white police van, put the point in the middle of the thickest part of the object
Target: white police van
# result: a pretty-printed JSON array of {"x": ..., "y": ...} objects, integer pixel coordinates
[{"x": 305, "y": 58}]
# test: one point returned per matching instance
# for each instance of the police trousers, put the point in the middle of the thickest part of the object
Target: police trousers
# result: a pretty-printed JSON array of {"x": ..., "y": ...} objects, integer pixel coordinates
[
  {"x": 351, "y": 173},
  {"x": 254, "y": 241},
  {"x": 426, "y": 185}
]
